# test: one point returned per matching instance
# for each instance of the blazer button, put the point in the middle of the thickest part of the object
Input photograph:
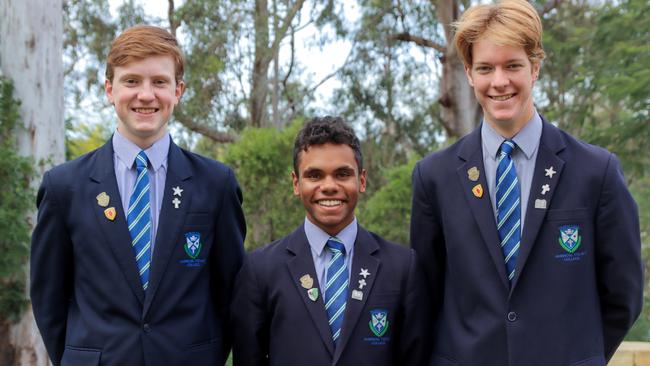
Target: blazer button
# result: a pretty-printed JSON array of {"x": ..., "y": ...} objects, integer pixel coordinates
[
  {"x": 146, "y": 328},
  {"x": 512, "y": 316}
]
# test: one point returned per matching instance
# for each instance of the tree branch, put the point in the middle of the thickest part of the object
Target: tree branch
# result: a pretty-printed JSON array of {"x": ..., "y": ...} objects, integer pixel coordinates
[
  {"x": 286, "y": 22},
  {"x": 550, "y": 5},
  {"x": 208, "y": 132},
  {"x": 422, "y": 42},
  {"x": 173, "y": 22}
]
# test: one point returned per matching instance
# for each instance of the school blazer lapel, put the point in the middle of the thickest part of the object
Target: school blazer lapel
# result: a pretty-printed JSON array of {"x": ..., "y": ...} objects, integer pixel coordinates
[
  {"x": 471, "y": 156},
  {"x": 365, "y": 249},
  {"x": 299, "y": 264},
  {"x": 171, "y": 219},
  {"x": 550, "y": 145},
  {"x": 115, "y": 232}
]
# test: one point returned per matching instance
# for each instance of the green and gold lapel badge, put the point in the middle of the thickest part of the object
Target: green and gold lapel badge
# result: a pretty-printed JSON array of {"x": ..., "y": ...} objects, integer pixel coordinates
[
  {"x": 306, "y": 281},
  {"x": 570, "y": 238}
]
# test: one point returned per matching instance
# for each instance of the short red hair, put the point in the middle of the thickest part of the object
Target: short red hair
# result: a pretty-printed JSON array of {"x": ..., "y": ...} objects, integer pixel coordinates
[{"x": 140, "y": 42}]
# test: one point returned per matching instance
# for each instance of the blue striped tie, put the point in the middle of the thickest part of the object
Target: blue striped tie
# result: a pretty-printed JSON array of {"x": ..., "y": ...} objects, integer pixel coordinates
[
  {"x": 336, "y": 287},
  {"x": 139, "y": 219},
  {"x": 508, "y": 207}
]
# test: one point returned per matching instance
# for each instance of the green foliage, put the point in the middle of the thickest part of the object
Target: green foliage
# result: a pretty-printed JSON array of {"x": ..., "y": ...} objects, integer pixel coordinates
[
  {"x": 83, "y": 138},
  {"x": 388, "y": 211},
  {"x": 596, "y": 83},
  {"x": 16, "y": 198},
  {"x": 596, "y": 80},
  {"x": 263, "y": 160}
]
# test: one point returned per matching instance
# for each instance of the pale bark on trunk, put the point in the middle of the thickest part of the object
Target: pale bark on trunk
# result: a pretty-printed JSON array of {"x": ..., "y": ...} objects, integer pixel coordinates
[
  {"x": 265, "y": 53},
  {"x": 460, "y": 112},
  {"x": 31, "y": 47},
  {"x": 260, "y": 82}
]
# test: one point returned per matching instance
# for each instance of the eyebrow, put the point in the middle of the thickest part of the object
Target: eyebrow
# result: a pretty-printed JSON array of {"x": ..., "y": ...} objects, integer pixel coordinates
[
  {"x": 139, "y": 76},
  {"x": 507, "y": 61}
]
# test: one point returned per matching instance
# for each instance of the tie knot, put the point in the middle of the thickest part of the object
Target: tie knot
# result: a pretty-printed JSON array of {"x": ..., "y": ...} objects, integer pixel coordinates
[
  {"x": 335, "y": 245},
  {"x": 507, "y": 147},
  {"x": 141, "y": 160}
]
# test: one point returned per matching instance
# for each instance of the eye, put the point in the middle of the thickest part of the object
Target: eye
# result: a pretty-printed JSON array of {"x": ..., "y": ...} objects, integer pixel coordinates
[
  {"x": 344, "y": 173},
  {"x": 313, "y": 175},
  {"x": 515, "y": 66},
  {"x": 483, "y": 69},
  {"x": 160, "y": 82},
  {"x": 130, "y": 82}
]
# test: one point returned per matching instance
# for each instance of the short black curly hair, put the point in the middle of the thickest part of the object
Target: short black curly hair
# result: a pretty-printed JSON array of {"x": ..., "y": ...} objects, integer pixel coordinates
[{"x": 322, "y": 130}]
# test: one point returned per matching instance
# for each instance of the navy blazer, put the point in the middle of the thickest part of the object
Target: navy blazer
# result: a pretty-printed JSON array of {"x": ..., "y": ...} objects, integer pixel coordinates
[
  {"x": 86, "y": 293},
  {"x": 569, "y": 303},
  {"x": 276, "y": 323}
]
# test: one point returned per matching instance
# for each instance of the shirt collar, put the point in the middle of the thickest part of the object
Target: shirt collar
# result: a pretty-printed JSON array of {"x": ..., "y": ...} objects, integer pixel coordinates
[
  {"x": 527, "y": 139},
  {"x": 126, "y": 150},
  {"x": 317, "y": 238}
]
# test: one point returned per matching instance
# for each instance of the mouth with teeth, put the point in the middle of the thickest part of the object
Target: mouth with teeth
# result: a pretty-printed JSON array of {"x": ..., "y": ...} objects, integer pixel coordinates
[
  {"x": 501, "y": 98},
  {"x": 329, "y": 203},
  {"x": 145, "y": 110}
]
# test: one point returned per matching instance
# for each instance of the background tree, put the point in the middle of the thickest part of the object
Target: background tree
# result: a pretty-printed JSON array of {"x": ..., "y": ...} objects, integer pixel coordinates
[
  {"x": 30, "y": 57},
  {"x": 263, "y": 161}
]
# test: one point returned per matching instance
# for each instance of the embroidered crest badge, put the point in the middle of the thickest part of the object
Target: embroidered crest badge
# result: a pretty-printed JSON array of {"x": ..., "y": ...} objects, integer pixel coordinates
[
  {"x": 570, "y": 238},
  {"x": 378, "y": 322},
  {"x": 192, "y": 244}
]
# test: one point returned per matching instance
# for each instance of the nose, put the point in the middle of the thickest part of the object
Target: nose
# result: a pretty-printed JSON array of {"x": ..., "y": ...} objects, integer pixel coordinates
[
  {"x": 500, "y": 78},
  {"x": 146, "y": 93},
  {"x": 329, "y": 185}
]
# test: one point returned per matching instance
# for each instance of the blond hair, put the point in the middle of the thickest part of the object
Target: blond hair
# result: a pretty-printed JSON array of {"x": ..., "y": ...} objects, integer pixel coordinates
[
  {"x": 140, "y": 42},
  {"x": 507, "y": 22}
]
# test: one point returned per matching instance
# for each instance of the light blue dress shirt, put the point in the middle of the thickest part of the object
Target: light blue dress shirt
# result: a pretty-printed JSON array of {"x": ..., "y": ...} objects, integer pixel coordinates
[
  {"x": 317, "y": 239},
  {"x": 527, "y": 140},
  {"x": 124, "y": 155}
]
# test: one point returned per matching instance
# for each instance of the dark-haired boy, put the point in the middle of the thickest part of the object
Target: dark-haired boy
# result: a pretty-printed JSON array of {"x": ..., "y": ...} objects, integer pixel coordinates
[{"x": 330, "y": 293}]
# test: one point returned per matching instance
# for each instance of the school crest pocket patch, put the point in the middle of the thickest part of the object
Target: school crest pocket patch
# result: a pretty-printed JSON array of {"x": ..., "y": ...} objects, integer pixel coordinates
[{"x": 570, "y": 238}]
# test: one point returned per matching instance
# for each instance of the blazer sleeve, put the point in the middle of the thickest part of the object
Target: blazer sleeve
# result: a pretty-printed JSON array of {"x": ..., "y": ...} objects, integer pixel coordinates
[
  {"x": 415, "y": 339},
  {"x": 618, "y": 257},
  {"x": 51, "y": 276},
  {"x": 228, "y": 252},
  {"x": 250, "y": 324},
  {"x": 427, "y": 238}
]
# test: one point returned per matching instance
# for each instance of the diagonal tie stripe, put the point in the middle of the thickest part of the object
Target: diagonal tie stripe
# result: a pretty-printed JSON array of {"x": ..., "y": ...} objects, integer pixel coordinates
[
  {"x": 508, "y": 207},
  {"x": 336, "y": 288},
  {"x": 139, "y": 219}
]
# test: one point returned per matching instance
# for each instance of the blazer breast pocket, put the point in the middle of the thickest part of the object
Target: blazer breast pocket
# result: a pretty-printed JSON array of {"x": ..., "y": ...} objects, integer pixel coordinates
[
  {"x": 199, "y": 219},
  {"x": 77, "y": 356},
  {"x": 577, "y": 214},
  {"x": 591, "y": 361},
  {"x": 384, "y": 298}
]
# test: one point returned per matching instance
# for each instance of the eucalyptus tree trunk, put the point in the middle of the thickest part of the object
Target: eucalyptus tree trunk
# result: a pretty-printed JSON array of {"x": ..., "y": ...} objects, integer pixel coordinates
[
  {"x": 460, "y": 112},
  {"x": 266, "y": 50},
  {"x": 31, "y": 46}
]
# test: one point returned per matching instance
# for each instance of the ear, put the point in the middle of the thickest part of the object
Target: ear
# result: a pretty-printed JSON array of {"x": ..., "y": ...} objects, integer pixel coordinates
[
  {"x": 362, "y": 181},
  {"x": 295, "y": 181},
  {"x": 108, "y": 87},
  {"x": 178, "y": 92},
  {"x": 536, "y": 67},
  {"x": 468, "y": 73}
]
